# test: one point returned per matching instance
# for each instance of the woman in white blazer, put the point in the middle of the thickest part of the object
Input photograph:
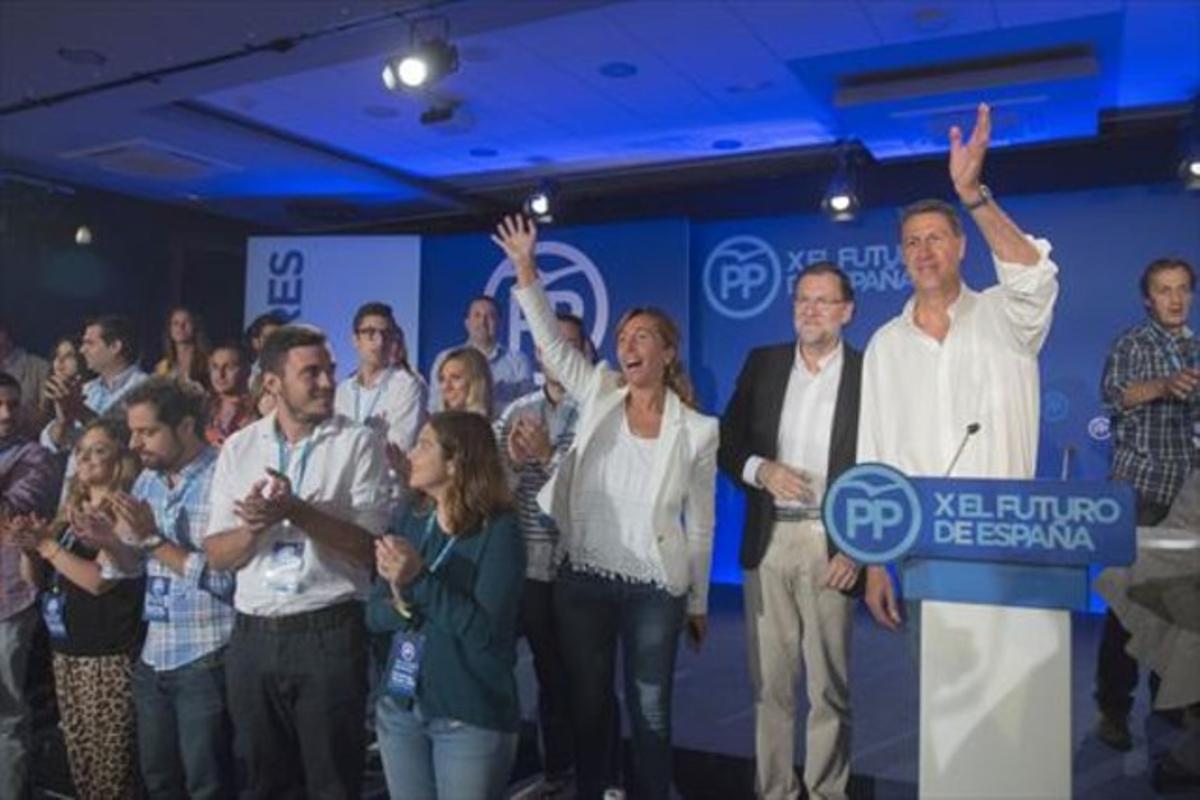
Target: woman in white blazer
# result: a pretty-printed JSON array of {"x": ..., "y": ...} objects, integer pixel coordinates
[{"x": 633, "y": 501}]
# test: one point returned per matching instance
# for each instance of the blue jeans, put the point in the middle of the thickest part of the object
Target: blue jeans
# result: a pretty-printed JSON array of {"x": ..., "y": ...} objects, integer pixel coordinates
[
  {"x": 426, "y": 759},
  {"x": 16, "y": 638},
  {"x": 593, "y": 615},
  {"x": 184, "y": 733}
]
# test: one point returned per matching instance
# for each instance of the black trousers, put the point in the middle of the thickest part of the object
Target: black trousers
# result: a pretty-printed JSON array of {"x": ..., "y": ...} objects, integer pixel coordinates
[
  {"x": 1116, "y": 670},
  {"x": 297, "y": 695},
  {"x": 554, "y": 694}
]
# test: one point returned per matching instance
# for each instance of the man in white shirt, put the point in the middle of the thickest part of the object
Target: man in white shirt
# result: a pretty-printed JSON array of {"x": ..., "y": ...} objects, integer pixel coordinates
[
  {"x": 512, "y": 375},
  {"x": 955, "y": 357},
  {"x": 386, "y": 399},
  {"x": 297, "y": 500},
  {"x": 790, "y": 428}
]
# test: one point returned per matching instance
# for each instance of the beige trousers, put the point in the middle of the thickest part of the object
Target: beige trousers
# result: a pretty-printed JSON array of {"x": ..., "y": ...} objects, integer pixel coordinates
[{"x": 789, "y": 613}]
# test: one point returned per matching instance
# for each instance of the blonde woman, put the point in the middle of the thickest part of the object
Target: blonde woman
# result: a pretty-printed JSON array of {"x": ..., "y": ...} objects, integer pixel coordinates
[
  {"x": 93, "y": 616},
  {"x": 633, "y": 501},
  {"x": 465, "y": 381}
]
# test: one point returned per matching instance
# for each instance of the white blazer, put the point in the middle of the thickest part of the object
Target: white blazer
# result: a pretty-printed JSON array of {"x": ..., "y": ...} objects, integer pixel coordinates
[{"x": 685, "y": 457}]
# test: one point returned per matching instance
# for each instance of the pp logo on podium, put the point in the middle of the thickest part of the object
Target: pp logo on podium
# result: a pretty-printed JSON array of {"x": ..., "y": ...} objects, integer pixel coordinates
[{"x": 872, "y": 513}]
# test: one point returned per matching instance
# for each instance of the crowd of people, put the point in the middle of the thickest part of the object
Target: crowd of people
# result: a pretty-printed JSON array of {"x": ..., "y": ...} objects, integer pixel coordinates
[{"x": 245, "y": 567}]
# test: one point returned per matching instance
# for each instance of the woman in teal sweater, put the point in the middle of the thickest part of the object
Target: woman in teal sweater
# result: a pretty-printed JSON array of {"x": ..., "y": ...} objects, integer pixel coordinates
[{"x": 452, "y": 574}]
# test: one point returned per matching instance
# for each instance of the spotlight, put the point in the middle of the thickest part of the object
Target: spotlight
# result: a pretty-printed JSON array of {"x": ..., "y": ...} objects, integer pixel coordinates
[
  {"x": 539, "y": 205},
  {"x": 424, "y": 64},
  {"x": 83, "y": 236},
  {"x": 1189, "y": 170},
  {"x": 841, "y": 200}
]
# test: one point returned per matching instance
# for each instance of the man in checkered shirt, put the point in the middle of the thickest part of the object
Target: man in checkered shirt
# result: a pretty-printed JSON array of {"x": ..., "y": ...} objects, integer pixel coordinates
[
  {"x": 1150, "y": 388},
  {"x": 184, "y": 730}
]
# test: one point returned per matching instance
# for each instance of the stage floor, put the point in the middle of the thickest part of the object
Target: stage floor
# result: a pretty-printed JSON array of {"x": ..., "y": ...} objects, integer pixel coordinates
[{"x": 714, "y": 720}]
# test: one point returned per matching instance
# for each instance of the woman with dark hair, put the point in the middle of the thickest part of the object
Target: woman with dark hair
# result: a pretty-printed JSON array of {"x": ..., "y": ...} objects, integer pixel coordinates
[
  {"x": 452, "y": 574},
  {"x": 185, "y": 347},
  {"x": 93, "y": 616},
  {"x": 67, "y": 367},
  {"x": 633, "y": 501},
  {"x": 465, "y": 381}
]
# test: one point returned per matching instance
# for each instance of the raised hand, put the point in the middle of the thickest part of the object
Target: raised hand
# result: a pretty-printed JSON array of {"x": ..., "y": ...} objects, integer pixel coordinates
[
  {"x": 517, "y": 237},
  {"x": 966, "y": 159}
]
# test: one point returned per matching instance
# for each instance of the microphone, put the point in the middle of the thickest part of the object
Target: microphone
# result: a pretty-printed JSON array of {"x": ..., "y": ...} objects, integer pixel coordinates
[
  {"x": 1068, "y": 453},
  {"x": 972, "y": 429}
]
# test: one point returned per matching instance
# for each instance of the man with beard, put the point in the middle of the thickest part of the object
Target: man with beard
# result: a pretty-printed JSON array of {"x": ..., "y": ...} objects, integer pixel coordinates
[
  {"x": 297, "y": 500},
  {"x": 179, "y": 683}
]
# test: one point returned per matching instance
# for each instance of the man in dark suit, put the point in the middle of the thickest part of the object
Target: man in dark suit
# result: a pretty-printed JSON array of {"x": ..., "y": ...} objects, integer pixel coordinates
[{"x": 791, "y": 428}]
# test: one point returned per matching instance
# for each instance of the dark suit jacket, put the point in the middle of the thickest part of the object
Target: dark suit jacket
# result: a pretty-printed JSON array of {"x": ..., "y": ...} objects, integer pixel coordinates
[{"x": 750, "y": 426}]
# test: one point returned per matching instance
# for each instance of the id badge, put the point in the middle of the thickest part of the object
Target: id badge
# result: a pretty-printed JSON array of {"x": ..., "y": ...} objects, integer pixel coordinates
[
  {"x": 54, "y": 615},
  {"x": 158, "y": 598},
  {"x": 405, "y": 663},
  {"x": 284, "y": 566}
]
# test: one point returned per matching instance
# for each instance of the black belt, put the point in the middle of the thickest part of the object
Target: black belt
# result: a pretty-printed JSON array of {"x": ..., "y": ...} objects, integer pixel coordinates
[
  {"x": 320, "y": 619},
  {"x": 784, "y": 514}
]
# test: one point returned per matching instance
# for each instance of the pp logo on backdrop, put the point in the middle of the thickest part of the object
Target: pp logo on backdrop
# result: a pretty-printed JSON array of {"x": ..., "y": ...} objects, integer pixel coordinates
[
  {"x": 742, "y": 277},
  {"x": 872, "y": 513},
  {"x": 572, "y": 282}
]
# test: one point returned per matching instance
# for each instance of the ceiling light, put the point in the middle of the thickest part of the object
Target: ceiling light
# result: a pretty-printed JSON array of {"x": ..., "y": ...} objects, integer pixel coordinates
[
  {"x": 842, "y": 200},
  {"x": 424, "y": 64},
  {"x": 83, "y": 236},
  {"x": 540, "y": 203}
]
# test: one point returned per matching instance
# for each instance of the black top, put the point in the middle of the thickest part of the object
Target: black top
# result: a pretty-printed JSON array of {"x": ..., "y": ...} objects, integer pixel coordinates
[
  {"x": 99, "y": 625},
  {"x": 750, "y": 426}
]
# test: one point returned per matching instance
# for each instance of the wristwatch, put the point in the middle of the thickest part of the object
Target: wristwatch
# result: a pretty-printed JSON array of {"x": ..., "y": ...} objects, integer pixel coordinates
[
  {"x": 153, "y": 542},
  {"x": 985, "y": 197}
]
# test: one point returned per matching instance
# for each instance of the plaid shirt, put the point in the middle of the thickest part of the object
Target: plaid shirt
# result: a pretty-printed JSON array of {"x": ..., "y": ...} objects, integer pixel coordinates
[
  {"x": 200, "y": 614},
  {"x": 1154, "y": 443}
]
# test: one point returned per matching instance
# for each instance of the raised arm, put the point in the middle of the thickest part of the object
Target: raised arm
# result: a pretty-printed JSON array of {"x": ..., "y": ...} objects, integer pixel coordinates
[
  {"x": 517, "y": 237},
  {"x": 1007, "y": 241}
]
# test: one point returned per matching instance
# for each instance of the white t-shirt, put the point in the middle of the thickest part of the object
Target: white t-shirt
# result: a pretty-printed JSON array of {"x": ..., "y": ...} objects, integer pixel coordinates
[{"x": 341, "y": 469}]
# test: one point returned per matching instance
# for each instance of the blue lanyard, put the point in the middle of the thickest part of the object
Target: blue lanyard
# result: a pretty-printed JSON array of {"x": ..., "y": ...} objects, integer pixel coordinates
[
  {"x": 285, "y": 458},
  {"x": 441, "y": 557},
  {"x": 387, "y": 376}
]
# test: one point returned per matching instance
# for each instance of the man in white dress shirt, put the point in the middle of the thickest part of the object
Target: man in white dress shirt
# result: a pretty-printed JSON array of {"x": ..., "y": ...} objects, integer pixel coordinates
[
  {"x": 956, "y": 357},
  {"x": 297, "y": 500},
  {"x": 386, "y": 399}
]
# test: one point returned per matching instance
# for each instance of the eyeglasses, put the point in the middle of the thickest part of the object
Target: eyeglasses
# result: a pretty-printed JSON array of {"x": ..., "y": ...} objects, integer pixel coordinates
[
  {"x": 821, "y": 304},
  {"x": 374, "y": 333}
]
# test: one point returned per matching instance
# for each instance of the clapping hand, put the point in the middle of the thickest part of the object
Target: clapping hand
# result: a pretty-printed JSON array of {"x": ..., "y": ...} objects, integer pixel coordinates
[
  {"x": 966, "y": 159},
  {"x": 134, "y": 518},
  {"x": 397, "y": 561},
  {"x": 529, "y": 441},
  {"x": 267, "y": 503}
]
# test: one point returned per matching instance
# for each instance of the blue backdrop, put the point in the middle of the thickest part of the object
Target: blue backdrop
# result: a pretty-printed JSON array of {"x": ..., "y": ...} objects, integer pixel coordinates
[{"x": 727, "y": 283}]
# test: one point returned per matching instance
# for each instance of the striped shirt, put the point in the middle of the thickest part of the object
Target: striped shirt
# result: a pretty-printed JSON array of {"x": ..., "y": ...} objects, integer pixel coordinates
[
  {"x": 1154, "y": 445},
  {"x": 541, "y": 535},
  {"x": 190, "y": 615}
]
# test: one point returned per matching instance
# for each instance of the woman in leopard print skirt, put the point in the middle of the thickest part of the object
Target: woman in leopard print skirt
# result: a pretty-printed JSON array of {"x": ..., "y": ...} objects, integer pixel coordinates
[{"x": 93, "y": 616}]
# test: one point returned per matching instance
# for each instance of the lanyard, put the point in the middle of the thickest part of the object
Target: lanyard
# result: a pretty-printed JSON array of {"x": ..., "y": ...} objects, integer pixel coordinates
[
  {"x": 441, "y": 557},
  {"x": 387, "y": 376},
  {"x": 285, "y": 458}
]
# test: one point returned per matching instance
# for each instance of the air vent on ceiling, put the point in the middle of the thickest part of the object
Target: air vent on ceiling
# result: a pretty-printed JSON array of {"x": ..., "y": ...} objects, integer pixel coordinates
[
  {"x": 143, "y": 158},
  {"x": 910, "y": 83}
]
